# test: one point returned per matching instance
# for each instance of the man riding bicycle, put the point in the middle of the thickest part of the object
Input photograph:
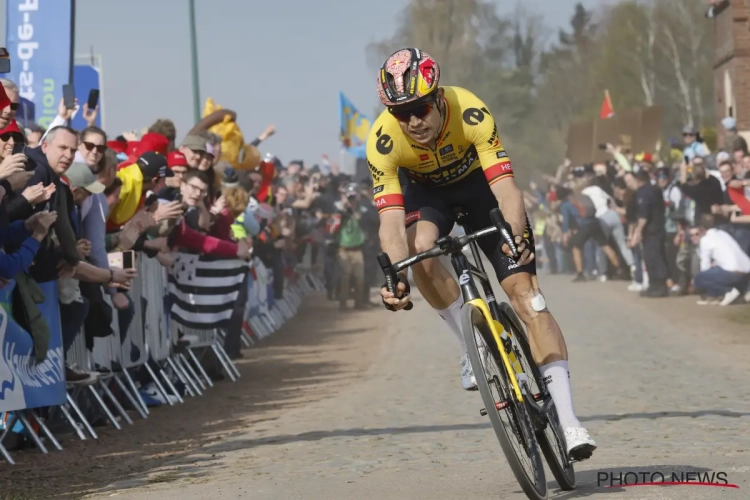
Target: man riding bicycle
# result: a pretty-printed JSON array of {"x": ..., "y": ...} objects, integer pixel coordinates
[{"x": 447, "y": 144}]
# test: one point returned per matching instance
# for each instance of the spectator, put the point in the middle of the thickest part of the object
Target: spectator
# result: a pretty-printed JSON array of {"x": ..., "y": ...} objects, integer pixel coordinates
[
  {"x": 650, "y": 234},
  {"x": 137, "y": 180},
  {"x": 733, "y": 141},
  {"x": 195, "y": 148},
  {"x": 705, "y": 190},
  {"x": 166, "y": 128},
  {"x": 609, "y": 221},
  {"x": 724, "y": 267},
  {"x": 350, "y": 238}
]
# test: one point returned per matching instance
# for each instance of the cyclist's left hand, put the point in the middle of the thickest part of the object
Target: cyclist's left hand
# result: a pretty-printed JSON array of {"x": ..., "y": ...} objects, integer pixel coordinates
[{"x": 524, "y": 249}]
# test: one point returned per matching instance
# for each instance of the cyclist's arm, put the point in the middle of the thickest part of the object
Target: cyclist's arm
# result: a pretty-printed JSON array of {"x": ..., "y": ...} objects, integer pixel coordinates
[
  {"x": 388, "y": 197},
  {"x": 497, "y": 168}
]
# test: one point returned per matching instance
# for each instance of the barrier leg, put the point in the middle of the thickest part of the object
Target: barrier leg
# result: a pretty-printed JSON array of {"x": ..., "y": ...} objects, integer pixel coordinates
[
  {"x": 136, "y": 406},
  {"x": 181, "y": 376},
  {"x": 8, "y": 426},
  {"x": 105, "y": 408},
  {"x": 6, "y": 455},
  {"x": 170, "y": 385},
  {"x": 193, "y": 375},
  {"x": 45, "y": 429},
  {"x": 79, "y": 413},
  {"x": 37, "y": 442},
  {"x": 73, "y": 423},
  {"x": 158, "y": 384},
  {"x": 258, "y": 329},
  {"x": 116, "y": 403},
  {"x": 200, "y": 368},
  {"x": 226, "y": 363},
  {"x": 135, "y": 392}
]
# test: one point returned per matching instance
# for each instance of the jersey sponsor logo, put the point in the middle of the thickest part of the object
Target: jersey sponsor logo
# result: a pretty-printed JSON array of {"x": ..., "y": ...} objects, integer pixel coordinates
[
  {"x": 412, "y": 84},
  {"x": 474, "y": 116},
  {"x": 417, "y": 146},
  {"x": 384, "y": 144},
  {"x": 494, "y": 141},
  {"x": 501, "y": 154},
  {"x": 424, "y": 157},
  {"x": 448, "y": 173},
  {"x": 506, "y": 167},
  {"x": 376, "y": 174},
  {"x": 460, "y": 149},
  {"x": 412, "y": 217},
  {"x": 447, "y": 149},
  {"x": 378, "y": 189},
  {"x": 389, "y": 200}
]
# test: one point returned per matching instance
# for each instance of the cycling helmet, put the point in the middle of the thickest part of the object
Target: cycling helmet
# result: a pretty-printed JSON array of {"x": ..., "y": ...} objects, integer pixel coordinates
[{"x": 407, "y": 76}]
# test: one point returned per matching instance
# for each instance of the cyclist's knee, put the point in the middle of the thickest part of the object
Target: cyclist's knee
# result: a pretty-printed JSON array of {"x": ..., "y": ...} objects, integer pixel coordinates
[{"x": 528, "y": 303}]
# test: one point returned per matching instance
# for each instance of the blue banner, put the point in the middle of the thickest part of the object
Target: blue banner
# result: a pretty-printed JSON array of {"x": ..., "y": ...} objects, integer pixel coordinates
[
  {"x": 38, "y": 40},
  {"x": 26, "y": 112},
  {"x": 23, "y": 382},
  {"x": 86, "y": 77},
  {"x": 354, "y": 127}
]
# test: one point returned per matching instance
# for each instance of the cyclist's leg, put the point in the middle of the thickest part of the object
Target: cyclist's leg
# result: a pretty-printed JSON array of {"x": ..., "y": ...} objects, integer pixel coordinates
[
  {"x": 429, "y": 217},
  {"x": 547, "y": 343}
]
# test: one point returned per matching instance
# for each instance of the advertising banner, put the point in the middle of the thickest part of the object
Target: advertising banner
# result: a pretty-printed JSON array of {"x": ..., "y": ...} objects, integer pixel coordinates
[
  {"x": 23, "y": 382},
  {"x": 39, "y": 43}
]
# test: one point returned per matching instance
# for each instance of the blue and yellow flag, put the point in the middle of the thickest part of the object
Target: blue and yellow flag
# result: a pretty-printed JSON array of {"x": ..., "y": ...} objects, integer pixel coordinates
[{"x": 354, "y": 127}]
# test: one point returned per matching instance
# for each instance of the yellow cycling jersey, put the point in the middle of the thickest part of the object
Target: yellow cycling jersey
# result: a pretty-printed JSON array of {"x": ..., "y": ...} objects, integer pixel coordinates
[{"x": 469, "y": 139}]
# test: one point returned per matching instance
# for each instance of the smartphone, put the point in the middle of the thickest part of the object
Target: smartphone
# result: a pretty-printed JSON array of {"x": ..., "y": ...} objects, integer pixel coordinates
[
  {"x": 123, "y": 260},
  {"x": 687, "y": 160},
  {"x": 4, "y": 60},
  {"x": 603, "y": 147},
  {"x": 93, "y": 101},
  {"x": 18, "y": 147},
  {"x": 69, "y": 96}
]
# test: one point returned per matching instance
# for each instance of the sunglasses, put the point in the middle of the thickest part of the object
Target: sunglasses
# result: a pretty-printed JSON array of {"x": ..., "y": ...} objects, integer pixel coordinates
[
  {"x": 100, "y": 148},
  {"x": 15, "y": 135},
  {"x": 418, "y": 111}
]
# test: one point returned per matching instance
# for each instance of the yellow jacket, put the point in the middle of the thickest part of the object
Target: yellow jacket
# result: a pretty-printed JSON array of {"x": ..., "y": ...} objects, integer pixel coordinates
[{"x": 130, "y": 195}]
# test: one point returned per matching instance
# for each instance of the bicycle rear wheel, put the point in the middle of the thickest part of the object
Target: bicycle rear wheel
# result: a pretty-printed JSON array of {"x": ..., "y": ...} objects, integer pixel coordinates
[
  {"x": 551, "y": 437},
  {"x": 509, "y": 418}
]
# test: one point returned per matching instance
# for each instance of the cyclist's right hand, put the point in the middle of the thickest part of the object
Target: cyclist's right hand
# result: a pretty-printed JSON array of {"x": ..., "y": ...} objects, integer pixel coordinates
[{"x": 401, "y": 299}]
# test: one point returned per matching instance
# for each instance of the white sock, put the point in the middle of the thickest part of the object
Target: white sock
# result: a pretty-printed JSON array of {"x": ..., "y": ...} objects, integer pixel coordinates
[
  {"x": 452, "y": 316},
  {"x": 557, "y": 379}
]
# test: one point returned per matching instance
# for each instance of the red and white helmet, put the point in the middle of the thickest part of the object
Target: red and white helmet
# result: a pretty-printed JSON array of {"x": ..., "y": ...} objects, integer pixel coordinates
[{"x": 407, "y": 76}]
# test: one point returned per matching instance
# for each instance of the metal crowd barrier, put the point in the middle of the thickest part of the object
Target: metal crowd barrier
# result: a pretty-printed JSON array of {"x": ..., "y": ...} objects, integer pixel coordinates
[{"x": 151, "y": 343}]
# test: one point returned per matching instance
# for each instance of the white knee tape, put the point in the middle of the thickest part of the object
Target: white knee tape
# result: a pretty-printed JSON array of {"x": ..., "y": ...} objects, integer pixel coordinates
[{"x": 538, "y": 303}]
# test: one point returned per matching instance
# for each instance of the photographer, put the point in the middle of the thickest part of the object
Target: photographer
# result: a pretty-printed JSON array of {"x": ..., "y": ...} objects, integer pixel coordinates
[{"x": 350, "y": 237}]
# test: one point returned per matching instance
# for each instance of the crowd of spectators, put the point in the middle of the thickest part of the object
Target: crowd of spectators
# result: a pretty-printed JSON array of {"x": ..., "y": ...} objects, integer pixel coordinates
[
  {"x": 72, "y": 198},
  {"x": 676, "y": 226}
]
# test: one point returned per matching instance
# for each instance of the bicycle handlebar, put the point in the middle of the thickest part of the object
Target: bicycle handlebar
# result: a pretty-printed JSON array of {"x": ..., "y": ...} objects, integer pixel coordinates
[{"x": 446, "y": 246}]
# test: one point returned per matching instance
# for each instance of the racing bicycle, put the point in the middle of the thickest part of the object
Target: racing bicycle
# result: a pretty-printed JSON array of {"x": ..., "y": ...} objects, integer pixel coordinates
[{"x": 515, "y": 398}]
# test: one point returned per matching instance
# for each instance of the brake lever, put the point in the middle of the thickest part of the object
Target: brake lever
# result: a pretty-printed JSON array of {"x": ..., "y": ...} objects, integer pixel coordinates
[
  {"x": 503, "y": 228},
  {"x": 391, "y": 278}
]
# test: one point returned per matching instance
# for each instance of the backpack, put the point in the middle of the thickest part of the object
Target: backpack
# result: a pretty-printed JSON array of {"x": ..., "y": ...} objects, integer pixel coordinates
[{"x": 584, "y": 204}]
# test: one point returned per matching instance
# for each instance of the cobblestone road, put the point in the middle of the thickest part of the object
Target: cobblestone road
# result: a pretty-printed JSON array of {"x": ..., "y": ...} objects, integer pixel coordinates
[{"x": 660, "y": 389}]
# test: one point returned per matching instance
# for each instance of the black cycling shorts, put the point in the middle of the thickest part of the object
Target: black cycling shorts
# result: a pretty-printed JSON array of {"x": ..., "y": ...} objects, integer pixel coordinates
[
  {"x": 591, "y": 230},
  {"x": 473, "y": 194}
]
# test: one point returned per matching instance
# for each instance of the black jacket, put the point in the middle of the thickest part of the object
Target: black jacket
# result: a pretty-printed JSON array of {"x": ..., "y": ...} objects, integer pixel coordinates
[{"x": 50, "y": 255}]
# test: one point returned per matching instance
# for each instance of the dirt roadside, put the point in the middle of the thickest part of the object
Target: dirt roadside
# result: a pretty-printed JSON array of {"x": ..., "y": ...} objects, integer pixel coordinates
[{"x": 315, "y": 355}]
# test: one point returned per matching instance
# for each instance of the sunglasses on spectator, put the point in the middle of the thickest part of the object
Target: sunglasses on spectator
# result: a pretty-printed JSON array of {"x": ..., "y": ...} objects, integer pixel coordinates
[
  {"x": 100, "y": 148},
  {"x": 15, "y": 135},
  {"x": 404, "y": 115}
]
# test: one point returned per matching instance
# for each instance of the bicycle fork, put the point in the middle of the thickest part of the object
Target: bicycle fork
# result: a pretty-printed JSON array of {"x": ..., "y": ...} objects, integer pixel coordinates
[{"x": 512, "y": 365}]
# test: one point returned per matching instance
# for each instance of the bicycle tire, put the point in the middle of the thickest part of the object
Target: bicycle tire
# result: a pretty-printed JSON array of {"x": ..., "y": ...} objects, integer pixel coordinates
[
  {"x": 555, "y": 453},
  {"x": 473, "y": 322}
]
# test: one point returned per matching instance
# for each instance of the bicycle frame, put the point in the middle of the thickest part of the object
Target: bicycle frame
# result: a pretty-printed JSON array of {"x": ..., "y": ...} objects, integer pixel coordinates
[{"x": 489, "y": 308}]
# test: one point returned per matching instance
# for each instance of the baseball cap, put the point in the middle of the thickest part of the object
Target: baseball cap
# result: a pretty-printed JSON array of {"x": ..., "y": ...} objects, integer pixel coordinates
[
  {"x": 153, "y": 165},
  {"x": 176, "y": 159},
  {"x": 80, "y": 175},
  {"x": 729, "y": 123},
  {"x": 196, "y": 143}
]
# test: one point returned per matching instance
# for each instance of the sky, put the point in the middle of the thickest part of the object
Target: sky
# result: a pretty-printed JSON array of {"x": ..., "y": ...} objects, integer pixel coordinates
[{"x": 280, "y": 63}]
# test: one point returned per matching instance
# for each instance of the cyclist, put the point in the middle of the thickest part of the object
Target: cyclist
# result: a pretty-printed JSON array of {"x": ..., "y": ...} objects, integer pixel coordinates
[{"x": 445, "y": 140}]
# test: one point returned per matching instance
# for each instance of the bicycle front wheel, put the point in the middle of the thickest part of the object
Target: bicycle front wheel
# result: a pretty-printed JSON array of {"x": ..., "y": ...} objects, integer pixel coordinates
[
  {"x": 551, "y": 438},
  {"x": 508, "y": 416}
]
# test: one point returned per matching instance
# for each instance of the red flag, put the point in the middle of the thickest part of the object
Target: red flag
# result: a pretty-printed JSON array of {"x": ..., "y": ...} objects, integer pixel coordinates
[
  {"x": 607, "y": 109},
  {"x": 738, "y": 197}
]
